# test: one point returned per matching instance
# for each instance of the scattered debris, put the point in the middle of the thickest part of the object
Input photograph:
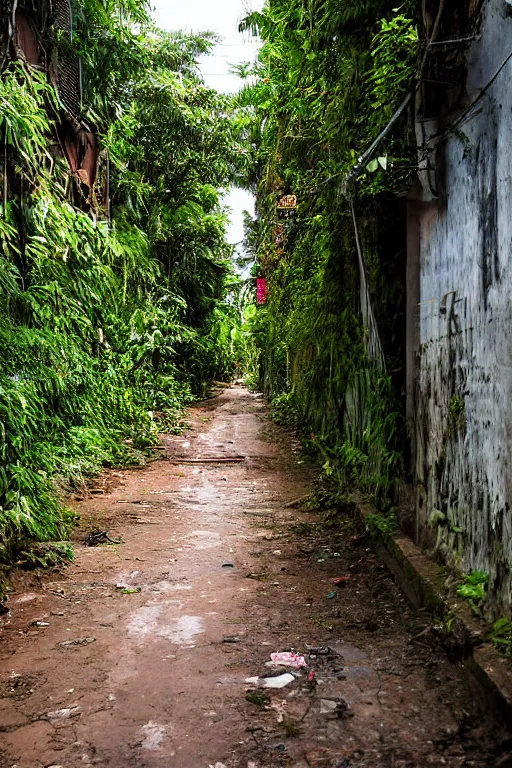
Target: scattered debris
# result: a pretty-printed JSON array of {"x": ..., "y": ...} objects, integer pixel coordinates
[
  {"x": 96, "y": 538},
  {"x": 336, "y": 707},
  {"x": 327, "y": 663},
  {"x": 281, "y": 681},
  {"x": 127, "y": 590},
  {"x": 323, "y": 651},
  {"x": 231, "y": 639},
  {"x": 287, "y": 659},
  {"x": 80, "y": 641},
  {"x": 128, "y": 501},
  {"x": 341, "y": 581},
  {"x": 332, "y": 595},
  {"x": 40, "y": 624},
  {"x": 228, "y": 564}
]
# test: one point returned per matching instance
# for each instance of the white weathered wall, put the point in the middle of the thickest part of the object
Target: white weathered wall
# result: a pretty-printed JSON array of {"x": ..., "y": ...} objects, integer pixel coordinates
[{"x": 464, "y": 462}]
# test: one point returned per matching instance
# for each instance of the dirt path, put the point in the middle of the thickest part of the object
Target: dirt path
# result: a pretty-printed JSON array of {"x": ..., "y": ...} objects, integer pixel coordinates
[{"x": 137, "y": 656}]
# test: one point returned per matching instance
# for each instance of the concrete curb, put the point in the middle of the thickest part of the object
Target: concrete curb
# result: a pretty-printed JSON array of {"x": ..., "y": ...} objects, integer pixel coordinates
[{"x": 419, "y": 578}]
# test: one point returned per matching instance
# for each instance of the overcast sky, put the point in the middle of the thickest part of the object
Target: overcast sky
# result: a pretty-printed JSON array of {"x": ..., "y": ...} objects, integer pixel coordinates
[{"x": 223, "y": 18}]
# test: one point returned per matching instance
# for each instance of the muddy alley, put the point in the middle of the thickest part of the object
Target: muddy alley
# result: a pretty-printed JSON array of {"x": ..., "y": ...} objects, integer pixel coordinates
[{"x": 156, "y": 652}]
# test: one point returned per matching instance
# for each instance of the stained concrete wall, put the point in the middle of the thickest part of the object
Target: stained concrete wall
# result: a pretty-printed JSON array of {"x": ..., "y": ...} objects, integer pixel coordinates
[{"x": 461, "y": 323}]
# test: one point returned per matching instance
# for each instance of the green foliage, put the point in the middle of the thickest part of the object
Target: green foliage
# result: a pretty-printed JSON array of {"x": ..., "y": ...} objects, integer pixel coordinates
[
  {"x": 259, "y": 699},
  {"x": 107, "y": 330},
  {"x": 394, "y": 50},
  {"x": 501, "y": 636},
  {"x": 474, "y": 589},
  {"x": 283, "y": 411},
  {"x": 329, "y": 76},
  {"x": 379, "y": 523},
  {"x": 47, "y": 555}
]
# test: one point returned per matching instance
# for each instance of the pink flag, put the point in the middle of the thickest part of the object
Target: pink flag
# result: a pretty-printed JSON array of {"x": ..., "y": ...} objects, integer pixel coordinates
[{"x": 262, "y": 290}]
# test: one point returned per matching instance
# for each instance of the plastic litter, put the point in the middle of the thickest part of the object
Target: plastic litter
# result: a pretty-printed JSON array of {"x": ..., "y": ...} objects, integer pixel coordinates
[
  {"x": 228, "y": 564},
  {"x": 281, "y": 681},
  {"x": 287, "y": 659},
  {"x": 332, "y": 595},
  {"x": 341, "y": 581}
]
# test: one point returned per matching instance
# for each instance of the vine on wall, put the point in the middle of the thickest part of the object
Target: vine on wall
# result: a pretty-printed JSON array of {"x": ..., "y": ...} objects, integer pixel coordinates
[{"x": 329, "y": 79}]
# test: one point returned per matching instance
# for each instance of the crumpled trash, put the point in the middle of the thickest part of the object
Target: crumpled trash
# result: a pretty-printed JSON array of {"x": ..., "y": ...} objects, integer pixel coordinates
[
  {"x": 217, "y": 765},
  {"x": 341, "y": 581},
  {"x": 281, "y": 681},
  {"x": 336, "y": 707},
  {"x": 287, "y": 659}
]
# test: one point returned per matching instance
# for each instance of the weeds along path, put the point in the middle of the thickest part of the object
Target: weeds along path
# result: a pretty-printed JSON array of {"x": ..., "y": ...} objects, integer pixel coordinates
[{"x": 138, "y": 656}]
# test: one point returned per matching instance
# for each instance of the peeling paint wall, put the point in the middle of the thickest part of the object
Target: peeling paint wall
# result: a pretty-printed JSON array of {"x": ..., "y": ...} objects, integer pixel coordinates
[{"x": 463, "y": 393}]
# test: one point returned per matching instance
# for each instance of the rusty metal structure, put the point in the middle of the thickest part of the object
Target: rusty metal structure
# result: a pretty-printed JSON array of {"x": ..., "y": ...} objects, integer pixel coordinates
[{"x": 40, "y": 33}]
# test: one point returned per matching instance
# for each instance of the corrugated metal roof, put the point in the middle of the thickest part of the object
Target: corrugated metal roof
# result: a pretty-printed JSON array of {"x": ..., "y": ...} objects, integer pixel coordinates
[{"x": 67, "y": 64}]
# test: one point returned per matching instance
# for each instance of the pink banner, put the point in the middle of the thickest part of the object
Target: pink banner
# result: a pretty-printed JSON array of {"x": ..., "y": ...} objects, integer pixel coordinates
[{"x": 261, "y": 284}]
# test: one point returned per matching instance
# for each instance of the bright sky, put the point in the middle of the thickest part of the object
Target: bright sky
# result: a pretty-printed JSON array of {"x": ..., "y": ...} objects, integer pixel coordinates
[{"x": 223, "y": 18}]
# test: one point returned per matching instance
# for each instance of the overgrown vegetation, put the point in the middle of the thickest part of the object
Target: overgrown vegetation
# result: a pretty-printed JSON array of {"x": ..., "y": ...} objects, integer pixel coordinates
[
  {"x": 107, "y": 328},
  {"x": 330, "y": 340},
  {"x": 474, "y": 588},
  {"x": 501, "y": 636}
]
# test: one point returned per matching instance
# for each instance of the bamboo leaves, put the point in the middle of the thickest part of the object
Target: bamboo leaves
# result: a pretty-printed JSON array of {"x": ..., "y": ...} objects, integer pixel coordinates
[{"x": 102, "y": 326}]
